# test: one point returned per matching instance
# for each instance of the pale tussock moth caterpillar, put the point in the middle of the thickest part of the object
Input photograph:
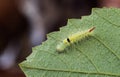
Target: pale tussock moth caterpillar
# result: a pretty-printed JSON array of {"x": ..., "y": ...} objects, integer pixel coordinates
[{"x": 73, "y": 39}]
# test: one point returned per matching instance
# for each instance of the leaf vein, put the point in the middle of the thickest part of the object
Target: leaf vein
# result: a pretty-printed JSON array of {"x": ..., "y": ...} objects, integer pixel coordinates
[
  {"x": 106, "y": 20},
  {"x": 111, "y": 50},
  {"x": 89, "y": 60}
]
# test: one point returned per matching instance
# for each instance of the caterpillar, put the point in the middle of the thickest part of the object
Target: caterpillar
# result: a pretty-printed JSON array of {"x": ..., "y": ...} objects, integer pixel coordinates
[{"x": 73, "y": 39}]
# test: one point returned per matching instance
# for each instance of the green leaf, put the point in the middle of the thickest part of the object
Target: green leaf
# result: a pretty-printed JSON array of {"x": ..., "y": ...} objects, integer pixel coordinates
[{"x": 96, "y": 56}]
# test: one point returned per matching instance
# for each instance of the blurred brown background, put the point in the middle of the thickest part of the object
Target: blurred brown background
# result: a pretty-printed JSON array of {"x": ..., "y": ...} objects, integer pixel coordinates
[{"x": 61, "y": 11}]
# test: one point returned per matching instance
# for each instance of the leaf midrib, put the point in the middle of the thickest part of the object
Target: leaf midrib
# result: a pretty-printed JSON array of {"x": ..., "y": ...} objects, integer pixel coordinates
[{"x": 71, "y": 71}]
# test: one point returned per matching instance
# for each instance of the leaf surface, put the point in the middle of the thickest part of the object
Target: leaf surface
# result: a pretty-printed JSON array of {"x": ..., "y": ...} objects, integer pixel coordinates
[{"x": 95, "y": 56}]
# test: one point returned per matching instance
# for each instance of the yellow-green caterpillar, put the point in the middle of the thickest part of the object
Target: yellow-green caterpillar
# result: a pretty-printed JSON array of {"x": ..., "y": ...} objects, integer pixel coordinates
[{"x": 73, "y": 39}]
